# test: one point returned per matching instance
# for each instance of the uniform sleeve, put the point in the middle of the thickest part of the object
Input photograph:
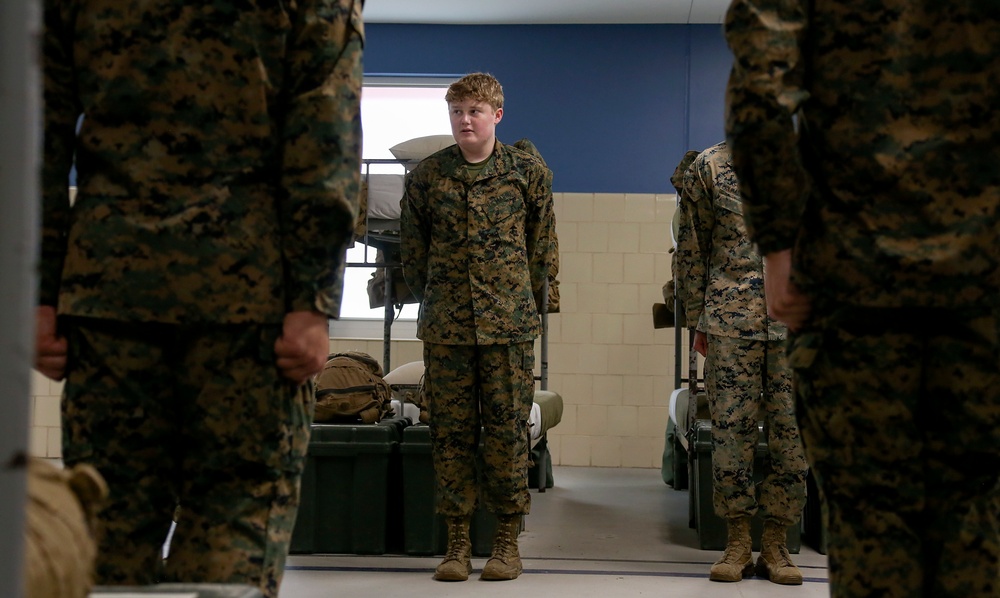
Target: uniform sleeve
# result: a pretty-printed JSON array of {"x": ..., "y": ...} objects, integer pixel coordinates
[
  {"x": 414, "y": 235},
  {"x": 61, "y": 112},
  {"x": 321, "y": 168},
  {"x": 540, "y": 231},
  {"x": 694, "y": 243},
  {"x": 765, "y": 90}
]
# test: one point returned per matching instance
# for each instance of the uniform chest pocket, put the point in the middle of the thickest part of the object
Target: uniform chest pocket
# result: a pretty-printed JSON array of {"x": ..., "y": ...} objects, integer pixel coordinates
[{"x": 502, "y": 208}]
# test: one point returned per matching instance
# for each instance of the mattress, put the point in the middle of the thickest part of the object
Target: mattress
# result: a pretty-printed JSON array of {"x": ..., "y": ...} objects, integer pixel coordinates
[{"x": 384, "y": 193}]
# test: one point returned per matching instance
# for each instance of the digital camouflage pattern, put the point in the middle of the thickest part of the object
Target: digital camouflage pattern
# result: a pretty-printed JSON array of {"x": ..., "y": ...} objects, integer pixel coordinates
[
  {"x": 480, "y": 394},
  {"x": 671, "y": 293},
  {"x": 677, "y": 178},
  {"x": 552, "y": 299},
  {"x": 226, "y": 442},
  {"x": 720, "y": 273},
  {"x": 886, "y": 186},
  {"x": 218, "y": 160},
  {"x": 721, "y": 284},
  {"x": 748, "y": 381},
  {"x": 902, "y": 429},
  {"x": 476, "y": 249}
]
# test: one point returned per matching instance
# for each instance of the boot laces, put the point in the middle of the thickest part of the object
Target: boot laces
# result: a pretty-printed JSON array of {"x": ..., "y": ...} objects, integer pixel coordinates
[
  {"x": 455, "y": 553},
  {"x": 778, "y": 548},
  {"x": 456, "y": 544},
  {"x": 734, "y": 553},
  {"x": 782, "y": 556},
  {"x": 504, "y": 547}
]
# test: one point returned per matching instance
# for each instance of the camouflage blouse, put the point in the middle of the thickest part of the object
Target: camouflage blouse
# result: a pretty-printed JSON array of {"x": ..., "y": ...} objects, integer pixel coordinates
[
  {"x": 476, "y": 249},
  {"x": 218, "y": 157},
  {"x": 720, "y": 275},
  {"x": 865, "y": 135}
]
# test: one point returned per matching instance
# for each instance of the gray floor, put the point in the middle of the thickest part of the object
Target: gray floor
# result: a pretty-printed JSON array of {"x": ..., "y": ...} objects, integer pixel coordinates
[{"x": 599, "y": 532}]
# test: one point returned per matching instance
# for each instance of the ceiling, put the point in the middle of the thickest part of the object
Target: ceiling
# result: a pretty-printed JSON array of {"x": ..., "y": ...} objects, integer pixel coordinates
[{"x": 518, "y": 12}]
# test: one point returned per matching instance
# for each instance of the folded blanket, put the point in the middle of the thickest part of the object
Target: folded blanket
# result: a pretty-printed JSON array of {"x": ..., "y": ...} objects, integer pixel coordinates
[{"x": 550, "y": 407}]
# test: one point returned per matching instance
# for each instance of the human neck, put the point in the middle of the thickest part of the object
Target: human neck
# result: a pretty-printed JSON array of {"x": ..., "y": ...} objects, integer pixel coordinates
[{"x": 478, "y": 153}]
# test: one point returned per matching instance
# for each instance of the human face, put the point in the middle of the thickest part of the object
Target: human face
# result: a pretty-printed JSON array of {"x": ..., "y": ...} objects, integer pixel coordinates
[{"x": 473, "y": 124}]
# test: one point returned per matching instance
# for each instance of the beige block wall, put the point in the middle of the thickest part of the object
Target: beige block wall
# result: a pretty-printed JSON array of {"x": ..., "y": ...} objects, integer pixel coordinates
[
  {"x": 614, "y": 372},
  {"x": 45, "y": 437}
]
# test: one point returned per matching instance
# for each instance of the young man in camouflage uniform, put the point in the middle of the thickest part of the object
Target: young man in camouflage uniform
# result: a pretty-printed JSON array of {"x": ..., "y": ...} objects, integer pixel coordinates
[
  {"x": 746, "y": 375},
  {"x": 865, "y": 137},
  {"x": 194, "y": 276},
  {"x": 478, "y": 231}
]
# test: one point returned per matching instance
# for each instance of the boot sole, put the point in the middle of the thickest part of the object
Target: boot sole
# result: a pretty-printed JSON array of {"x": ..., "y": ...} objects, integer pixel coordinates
[
  {"x": 495, "y": 577},
  {"x": 450, "y": 577}
]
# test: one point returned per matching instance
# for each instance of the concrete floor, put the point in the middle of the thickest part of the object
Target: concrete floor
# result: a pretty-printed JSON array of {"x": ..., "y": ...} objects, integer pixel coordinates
[{"x": 599, "y": 532}]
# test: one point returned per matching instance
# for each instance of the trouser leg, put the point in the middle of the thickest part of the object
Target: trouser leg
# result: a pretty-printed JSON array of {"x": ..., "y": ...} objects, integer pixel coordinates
[
  {"x": 783, "y": 490},
  {"x": 470, "y": 389},
  {"x": 508, "y": 387},
  {"x": 246, "y": 439},
  {"x": 903, "y": 433},
  {"x": 453, "y": 410},
  {"x": 733, "y": 384},
  {"x": 115, "y": 416},
  {"x": 204, "y": 418}
]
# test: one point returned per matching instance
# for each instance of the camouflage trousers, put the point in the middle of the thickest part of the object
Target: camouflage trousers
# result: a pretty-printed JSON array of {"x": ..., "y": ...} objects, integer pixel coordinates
[
  {"x": 480, "y": 394},
  {"x": 192, "y": 419},
  {"x": 748, "y": 381},
  {"x": 900, "y": 416}
]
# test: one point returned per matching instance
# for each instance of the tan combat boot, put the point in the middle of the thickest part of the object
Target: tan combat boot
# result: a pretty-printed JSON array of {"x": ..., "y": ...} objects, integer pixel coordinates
[
  {"x": 737, "y": 560},
  {"x": 774, "y": 562},
  {"x": 457, "y": 563},
  {"x": 505, "y": 562}
]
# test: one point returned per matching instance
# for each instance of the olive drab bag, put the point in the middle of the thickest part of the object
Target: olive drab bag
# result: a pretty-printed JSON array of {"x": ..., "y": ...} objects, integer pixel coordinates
[{"x": 351, "y": 389}]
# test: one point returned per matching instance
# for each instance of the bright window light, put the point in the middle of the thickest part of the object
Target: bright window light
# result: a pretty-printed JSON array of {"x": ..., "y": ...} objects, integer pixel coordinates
[{"x": 390, "y": 113}]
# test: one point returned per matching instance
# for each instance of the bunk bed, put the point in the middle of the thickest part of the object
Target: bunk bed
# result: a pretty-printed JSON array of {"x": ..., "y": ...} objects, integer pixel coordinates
[{"x": 377, "y": 226}]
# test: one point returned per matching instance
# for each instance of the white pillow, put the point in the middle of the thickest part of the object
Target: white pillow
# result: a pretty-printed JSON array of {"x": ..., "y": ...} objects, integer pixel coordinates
[
  {"x": 408, "y": 374},
  {"x": 419, "y": 148}
]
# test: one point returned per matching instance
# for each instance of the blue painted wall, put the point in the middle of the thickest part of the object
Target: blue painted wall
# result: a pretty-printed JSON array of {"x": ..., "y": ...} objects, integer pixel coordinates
[{"x": 612, "y": 108}]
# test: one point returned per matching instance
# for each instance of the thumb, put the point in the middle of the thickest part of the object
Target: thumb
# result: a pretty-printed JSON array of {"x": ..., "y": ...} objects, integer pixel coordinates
[{"x": 286, "y": 345}]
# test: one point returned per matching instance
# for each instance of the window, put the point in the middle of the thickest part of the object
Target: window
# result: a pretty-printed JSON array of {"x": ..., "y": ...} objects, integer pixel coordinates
[{"x": 393, "y": 110}]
